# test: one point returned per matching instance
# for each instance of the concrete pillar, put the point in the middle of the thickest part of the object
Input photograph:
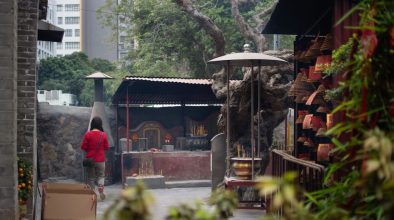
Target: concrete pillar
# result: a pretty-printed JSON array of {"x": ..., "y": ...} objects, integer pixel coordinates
[
  {"x": 8, "y": 109},
  {"x": 218, "y": 159},
  {"x": 98, "y": 90}
]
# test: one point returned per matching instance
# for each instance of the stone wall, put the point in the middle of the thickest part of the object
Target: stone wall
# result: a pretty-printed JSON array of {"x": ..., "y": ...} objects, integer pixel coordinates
[
  {"x": 8, "y": 108},
  {"x": 26, "y": 86},
  {"x": 27, "y": 57},
  {"x": 60, "y": 132}
]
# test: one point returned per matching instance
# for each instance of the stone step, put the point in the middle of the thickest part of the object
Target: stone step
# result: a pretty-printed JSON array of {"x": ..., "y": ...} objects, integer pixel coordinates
[
  {"x": 150, "y": 182},
  {"x": 188, "y": 183}
]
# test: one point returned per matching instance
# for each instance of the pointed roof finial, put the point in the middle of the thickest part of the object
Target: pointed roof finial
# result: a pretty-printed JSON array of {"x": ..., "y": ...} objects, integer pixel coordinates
[{"x": 247, "y": 48}]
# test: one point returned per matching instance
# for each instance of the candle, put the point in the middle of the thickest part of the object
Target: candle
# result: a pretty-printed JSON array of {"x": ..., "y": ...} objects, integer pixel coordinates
[{"x": 238, "y": 150}]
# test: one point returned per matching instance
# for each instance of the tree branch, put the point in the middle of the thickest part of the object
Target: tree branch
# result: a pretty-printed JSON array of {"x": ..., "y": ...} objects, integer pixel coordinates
[
  {"x": 260, "y": 22},
  {"x": 207, "y": 24},
  {"x": 247, "y": 31}
]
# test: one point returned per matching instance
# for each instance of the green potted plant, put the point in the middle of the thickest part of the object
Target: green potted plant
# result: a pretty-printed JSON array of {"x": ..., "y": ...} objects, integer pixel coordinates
[{"x": 25, "y": 184}]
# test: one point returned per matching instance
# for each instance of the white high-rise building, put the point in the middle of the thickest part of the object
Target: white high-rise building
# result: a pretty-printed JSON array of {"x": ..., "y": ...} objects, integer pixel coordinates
[
  {"x": 84, "y": 32},
  {"x": 47, "y": 49},
  {"x": 68, "y": 17}
]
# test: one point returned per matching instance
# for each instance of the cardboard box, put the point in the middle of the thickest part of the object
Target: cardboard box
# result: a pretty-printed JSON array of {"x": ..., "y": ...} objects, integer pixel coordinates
[{"x": 68, "y": 201}]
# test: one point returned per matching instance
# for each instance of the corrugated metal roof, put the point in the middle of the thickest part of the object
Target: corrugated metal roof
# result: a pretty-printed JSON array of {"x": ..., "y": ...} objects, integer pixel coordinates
[
  {"x": 171, "y": 80},
  {"x": 166, "y": 90}
]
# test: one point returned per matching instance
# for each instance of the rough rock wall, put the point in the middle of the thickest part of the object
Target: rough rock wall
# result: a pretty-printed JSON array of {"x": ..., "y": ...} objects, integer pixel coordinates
[
  {"x": 60, "y": 132},
  {"x": 276, "y": 81}
]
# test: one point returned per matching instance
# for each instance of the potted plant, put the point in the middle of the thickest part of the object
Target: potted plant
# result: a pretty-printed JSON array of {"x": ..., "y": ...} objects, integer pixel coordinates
[{"x": 25, "y": 185}]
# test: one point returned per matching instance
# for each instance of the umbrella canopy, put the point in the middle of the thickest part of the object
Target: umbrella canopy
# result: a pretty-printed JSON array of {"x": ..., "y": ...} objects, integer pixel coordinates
[{"x": 248, "y": 59}]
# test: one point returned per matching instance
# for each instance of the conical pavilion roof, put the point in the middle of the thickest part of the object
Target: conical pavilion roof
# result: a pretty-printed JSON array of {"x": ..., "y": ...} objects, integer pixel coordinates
[{"x": 98, "y": 75}]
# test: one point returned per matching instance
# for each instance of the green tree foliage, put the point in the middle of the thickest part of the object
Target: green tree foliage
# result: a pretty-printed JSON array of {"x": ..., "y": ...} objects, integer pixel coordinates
[
  {"x": 171, "y": 43},
  {"x": 64, "y": 73},
  {"x": 102, "y": 65},
  {"x": 67, "y": 74}
]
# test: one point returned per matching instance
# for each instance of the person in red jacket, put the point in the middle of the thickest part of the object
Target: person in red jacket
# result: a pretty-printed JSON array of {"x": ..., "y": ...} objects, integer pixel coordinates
[{"x": 95, "y": 143}]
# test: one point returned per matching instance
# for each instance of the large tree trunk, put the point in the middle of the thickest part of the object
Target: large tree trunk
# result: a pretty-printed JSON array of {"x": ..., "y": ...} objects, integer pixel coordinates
[{"x": 275, "y": 82}]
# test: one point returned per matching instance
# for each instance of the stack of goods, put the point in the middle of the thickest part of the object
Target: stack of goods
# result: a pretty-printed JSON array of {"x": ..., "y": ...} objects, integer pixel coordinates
[{"x": 312, "y": 57}]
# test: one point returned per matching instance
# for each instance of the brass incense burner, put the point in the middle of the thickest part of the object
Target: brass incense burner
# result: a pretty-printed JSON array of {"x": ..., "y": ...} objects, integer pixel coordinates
[{"x": 243, "y": 167}]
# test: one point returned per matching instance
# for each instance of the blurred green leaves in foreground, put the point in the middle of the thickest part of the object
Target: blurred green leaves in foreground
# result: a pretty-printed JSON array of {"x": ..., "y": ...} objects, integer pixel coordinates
[{"x": 134, "y": 204}]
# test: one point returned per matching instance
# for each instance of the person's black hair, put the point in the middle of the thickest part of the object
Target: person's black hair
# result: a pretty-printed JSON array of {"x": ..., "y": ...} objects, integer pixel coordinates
[{"x": 96, "y": 123}]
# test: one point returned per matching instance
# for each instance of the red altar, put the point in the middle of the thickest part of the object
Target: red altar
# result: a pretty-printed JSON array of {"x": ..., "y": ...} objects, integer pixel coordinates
[{"x": 174, "y": 166}]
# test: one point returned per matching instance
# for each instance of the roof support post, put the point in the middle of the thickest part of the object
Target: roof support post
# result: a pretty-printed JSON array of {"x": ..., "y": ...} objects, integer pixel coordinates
[
  {"x": 127, "y": 119},
  {"x": 252, "y": 140},
  {"x": 258, "y": 111},
  {"x": 116, "y": 126},
  {"x": 228, "y": 151},
  {"x": 183, "y": 118}
]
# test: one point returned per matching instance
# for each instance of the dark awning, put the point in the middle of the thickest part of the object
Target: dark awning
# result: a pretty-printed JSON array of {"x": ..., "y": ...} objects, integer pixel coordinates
[
  {"x": 154, "y": 90},
  {"x": 301, "y": 17},
  {"x": 49, "y": 32}
]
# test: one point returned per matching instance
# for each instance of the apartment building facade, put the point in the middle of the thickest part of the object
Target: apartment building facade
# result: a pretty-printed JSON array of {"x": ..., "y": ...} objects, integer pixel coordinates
[
  {"x": 84, "y": 32},
  {"x": 68, "y": 17}
]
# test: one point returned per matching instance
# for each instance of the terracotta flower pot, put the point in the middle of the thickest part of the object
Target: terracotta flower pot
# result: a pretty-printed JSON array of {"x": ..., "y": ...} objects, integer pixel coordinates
[
  {"x": 323, "y": 152},
  {"x": 306, "y": 124},
  {"x": 316, "y": 123},
  {"x": 322, "y": 62},
  {"x": 328, "y": 43},
  {"x": 22, "y": 210},
  {"x": 301, "y": 139},
  {"x": 311, "y": 98},
  {"x": 301, "y": 115},
  {"x": 313, "y": 75},
  {"x": 314, "y": 49},
  {"x": 321, "y": 132},
  {"x": 304, "y": 99},
  {"x": 309, "y": 143},
  {"x": 329, "y": 121},
  {"x": 322, "y": 109}
]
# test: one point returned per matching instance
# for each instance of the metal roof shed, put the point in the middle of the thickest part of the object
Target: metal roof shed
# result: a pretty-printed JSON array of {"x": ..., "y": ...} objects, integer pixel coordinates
[{"x": 134, "y": 91}]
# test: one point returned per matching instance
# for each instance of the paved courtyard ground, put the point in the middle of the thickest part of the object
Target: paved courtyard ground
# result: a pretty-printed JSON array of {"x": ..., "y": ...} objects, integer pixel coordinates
[{"x": 164, "y": 198}]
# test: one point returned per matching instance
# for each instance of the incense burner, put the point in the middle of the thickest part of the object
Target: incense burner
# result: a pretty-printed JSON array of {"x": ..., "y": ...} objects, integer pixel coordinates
[{"x": 243, "y": 167}]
